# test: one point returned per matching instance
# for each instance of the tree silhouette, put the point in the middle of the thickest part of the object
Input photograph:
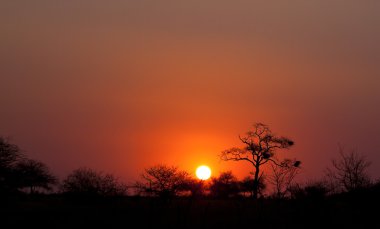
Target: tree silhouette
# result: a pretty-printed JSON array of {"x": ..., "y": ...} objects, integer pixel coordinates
[
  {"x": 163, "y": 181},
  {"x": 226, "y": 185},
  {"x": 10, "y": 154},
  {"x": 349, "y": 172},
  {"x": 34, "y": 174},
  {"x": 282, "y": 177},
  {"x": 260, "y": 148},
  {"x": 247, "y": 184},
  {"x": 88, "y": 182},
  {"x": 196, "y": 187}
]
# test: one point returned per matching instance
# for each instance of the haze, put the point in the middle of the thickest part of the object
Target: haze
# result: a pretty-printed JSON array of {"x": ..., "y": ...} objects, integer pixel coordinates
[{"x": 122, "y": 85}]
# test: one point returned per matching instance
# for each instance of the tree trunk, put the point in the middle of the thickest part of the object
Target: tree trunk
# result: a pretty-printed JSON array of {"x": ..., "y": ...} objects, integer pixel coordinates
[{"x": 256, "y": 183}]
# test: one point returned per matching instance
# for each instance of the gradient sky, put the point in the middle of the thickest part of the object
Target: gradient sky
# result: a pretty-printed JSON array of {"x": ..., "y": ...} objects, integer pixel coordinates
[{"x": 122, "y": 85}]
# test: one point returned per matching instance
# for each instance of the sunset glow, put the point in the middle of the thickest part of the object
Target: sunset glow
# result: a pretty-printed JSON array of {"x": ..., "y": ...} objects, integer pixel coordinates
[
  {"x": 141, "y": 82},
  {"x": 203, "y": 172},
  {"x": 189, "y": 114}
]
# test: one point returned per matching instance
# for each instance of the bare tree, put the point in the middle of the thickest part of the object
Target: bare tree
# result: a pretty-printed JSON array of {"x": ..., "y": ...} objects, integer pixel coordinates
[
  {"x": 349, "y": 172},
  {"x": 89, "y": 182},
  {"x": 282, "y": 177},
  {"x": 163, "y": 181},
  {"x": 260, "y": 148},
  {"x": 34, "y": 174}
]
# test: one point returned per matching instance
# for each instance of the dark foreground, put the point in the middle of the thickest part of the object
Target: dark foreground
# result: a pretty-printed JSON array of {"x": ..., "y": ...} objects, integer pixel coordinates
[{"x": 343, "y": 211}]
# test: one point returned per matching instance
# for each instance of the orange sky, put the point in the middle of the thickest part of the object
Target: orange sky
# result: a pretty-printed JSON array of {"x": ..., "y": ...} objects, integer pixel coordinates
[{"x": 122, "y": 85}]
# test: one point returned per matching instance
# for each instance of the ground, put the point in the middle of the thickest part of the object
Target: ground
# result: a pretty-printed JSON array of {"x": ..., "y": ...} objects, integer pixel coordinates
[{"x": 139, "y": 212}]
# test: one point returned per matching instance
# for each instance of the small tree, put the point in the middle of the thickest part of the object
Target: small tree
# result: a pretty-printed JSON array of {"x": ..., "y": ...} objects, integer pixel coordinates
[
  {"x": 349, "y": 172},
  {"x": 282, "y": 177},
  {"x": 10, "y": 154},
  {"x": 88, "y": 182},
  {"x": 34, "y": 174},
  {"x": 226, "y": 185},
  {"x": 261, "y": 146},
  {"x": 246, "y": 185},
  {"x": 163, "y": 181},
  {"x": 195, "y": 187}
]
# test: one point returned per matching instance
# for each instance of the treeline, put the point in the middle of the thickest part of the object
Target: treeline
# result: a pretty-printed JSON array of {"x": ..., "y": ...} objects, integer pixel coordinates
[
  {"x": 21, "y": 175},
  {"x": 17, "y": 172}
]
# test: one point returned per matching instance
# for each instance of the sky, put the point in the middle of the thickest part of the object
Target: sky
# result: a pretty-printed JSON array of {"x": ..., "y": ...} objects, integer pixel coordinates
[{"x": 119, "y": 86}]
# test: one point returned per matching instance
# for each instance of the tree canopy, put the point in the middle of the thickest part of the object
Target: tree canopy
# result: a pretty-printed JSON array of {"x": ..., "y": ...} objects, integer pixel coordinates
[
  {"x": 163, "y": 181},
  {"x": 34, "y": 174},
  {"x": 88, "y": 182}
]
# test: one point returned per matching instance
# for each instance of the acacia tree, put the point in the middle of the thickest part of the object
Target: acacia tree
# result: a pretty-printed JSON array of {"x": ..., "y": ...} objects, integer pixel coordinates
[
  {"x": 88, "y": 182},
  {"x": 18, "y": 172},
  {"x": 34, "y": 174},
  {"x": 163, "y": 181},
  {"x": 10, "y": 154},
  {"x": 226, "y": 185},
  {"x": 194, "y": 186},
  {"x": 260, "y": 148},
  {"x": 349, "y": 172}
]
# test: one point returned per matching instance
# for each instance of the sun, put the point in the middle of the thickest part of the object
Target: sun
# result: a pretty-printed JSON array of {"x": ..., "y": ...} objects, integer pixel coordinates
[{"x": 203, "y": 172}]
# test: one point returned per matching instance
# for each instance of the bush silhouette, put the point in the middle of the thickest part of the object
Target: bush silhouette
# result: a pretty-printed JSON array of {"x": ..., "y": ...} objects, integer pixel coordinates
[
  {"x": 91, "y": 183},
  {"x": 163, "y": 181},
  {"x": 34, "y": 174},
  {"x": 10, "y": 154},
  {"x": 224, "y": 186}
]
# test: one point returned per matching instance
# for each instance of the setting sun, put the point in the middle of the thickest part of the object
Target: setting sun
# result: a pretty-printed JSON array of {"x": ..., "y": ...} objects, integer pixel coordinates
[{"x": 203, "y": 172}]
